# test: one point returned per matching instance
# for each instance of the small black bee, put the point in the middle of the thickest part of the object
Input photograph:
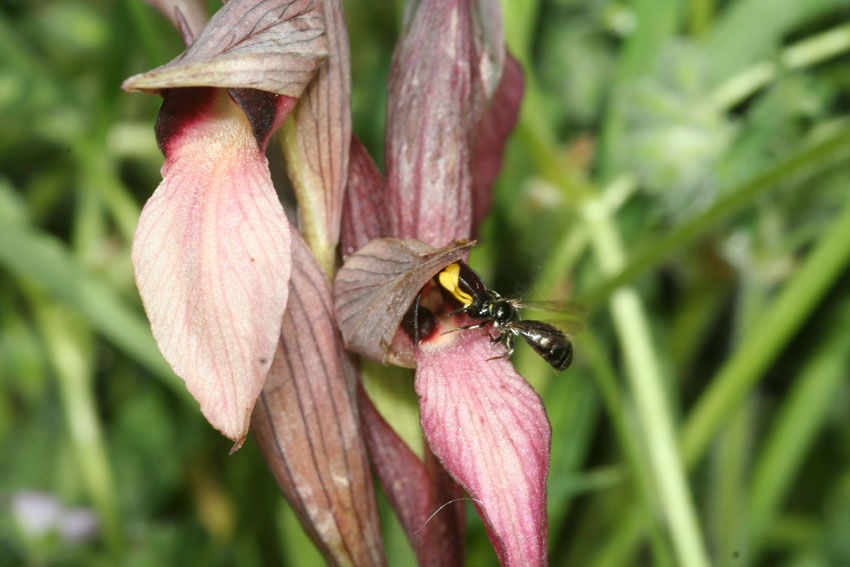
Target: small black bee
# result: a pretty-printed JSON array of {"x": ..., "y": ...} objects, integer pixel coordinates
[{"x": 478, "y": 302}]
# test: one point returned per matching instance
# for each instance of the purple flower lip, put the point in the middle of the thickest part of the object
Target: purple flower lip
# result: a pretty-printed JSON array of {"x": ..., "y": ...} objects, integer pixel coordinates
[
  {"x": 488, "y": 428},
  {"x": 211, "y": 254},
  {"x": 484, "y": 423}
]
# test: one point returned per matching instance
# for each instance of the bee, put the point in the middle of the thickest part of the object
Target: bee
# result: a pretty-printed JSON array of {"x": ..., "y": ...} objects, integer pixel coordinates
[{"x": 479, "y": 302}]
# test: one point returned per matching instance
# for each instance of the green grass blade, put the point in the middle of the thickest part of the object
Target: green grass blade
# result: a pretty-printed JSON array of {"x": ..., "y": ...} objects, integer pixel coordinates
[
  {"x": 816, "y": 157},
  {"x": 795, "y": 427},
  {"x": 40, "y": 258},
  {"x": 644, "y": 375},
  {"x": 763, "y": 344},
  {"x": 732, "y": 45},
  {"x": 71, "y": 352}
]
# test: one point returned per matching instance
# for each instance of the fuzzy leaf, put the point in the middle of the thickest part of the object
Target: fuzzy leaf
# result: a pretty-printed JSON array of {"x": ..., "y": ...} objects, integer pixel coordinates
[
  {"x": 364, "y": 213},
  {"x": 434, "y": 104},
  {"x": 274, "y": 46},
  {"x": 377, "y": 285},
  {"x": 307, "y": 425},
  {"x": 211, "y": 257},
  {"x": 489, "y": 429}
]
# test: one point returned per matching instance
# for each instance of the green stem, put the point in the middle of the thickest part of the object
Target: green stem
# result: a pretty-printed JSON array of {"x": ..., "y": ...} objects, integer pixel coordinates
[
  {"x": 815, "y": 156},
  {"x": 802, "y": 54},
  {"x": 700, "y": 15},
  {"x": 764, "y": 342},
  {"x": 727, "y": 500},
  {"x": 98, "y": 174},
  {"x": 802, "y": 415},
  {"x": 606, "y": 380},
  {"x": 69, "y": 345},
  {"x": 731, "y": 455},
  {"x": 755, "y": 353},
  {"x": 645, "y": 380},
  {"x": 575, "y": 241}
]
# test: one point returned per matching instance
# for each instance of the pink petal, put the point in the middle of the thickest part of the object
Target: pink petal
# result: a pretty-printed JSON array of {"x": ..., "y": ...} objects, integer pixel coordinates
[
  {"x": 489, "y": 429},
  {"x": 489, "y": 43},
  {"x": 188, "y": 16},
  {"x": 428, "y": 502},
  {"x": 496, "y": 124},
  {"x": 377, "y": 285},
  {"x": 307, "y": 425},
  {"x": 364, "y": 213},
  {"x": 270, "y": 45},
  {"x": 212, "y": 258},
  {"x": 434, "y": 102},
  {"x": 317, "y": 143}
]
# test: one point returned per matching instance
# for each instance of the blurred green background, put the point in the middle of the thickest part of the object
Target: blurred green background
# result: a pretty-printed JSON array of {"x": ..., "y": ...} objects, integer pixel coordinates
[{"x": 680, "y": 167}]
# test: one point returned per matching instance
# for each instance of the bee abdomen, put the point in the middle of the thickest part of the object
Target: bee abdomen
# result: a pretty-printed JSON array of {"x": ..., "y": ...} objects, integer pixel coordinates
[
  {"x": 561, "y": 355},
  {"x": 547, "y": 341}
]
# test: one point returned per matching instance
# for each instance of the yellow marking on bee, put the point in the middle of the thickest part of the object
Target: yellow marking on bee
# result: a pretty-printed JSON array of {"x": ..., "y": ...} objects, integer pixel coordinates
[{"x": 450, "y": 278}]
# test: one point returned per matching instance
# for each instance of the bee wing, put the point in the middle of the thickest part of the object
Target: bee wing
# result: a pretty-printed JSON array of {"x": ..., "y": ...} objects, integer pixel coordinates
[
  {"x": 560, "y": 307},
  {"x": 570, "y": 327}
]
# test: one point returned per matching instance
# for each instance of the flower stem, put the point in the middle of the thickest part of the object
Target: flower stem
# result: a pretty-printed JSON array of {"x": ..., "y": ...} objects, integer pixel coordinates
[
  {"x": 795, "y": 427},
  {"x": 804, "y": 53},
  {"x": 755, "y": 353},
  {"x": 814, "y": 157},
  {"x": 644, "y": 377},
  {"x": 69, "y": 345}
]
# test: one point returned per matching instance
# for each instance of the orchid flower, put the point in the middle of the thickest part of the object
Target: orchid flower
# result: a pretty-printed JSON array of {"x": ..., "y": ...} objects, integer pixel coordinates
[
  {"x": 238, "y": 302},
  {"x": 453, "y": 98},
  {"x": 241, "y": 304}
]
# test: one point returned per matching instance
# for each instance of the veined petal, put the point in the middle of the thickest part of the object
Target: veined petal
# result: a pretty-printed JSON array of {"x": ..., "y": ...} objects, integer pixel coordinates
[
  {"x": 308, "y": 428},
  {"x": 434, "y": 103},
  {"x": 364, "y": 212},
  {"x": 489, "y": 429},
  {"x": 496, "y": 124},
  {"x": 377, "y": 285},
  {"x": 489, "y": 43},
  {"x": 212, "y": 258},
  {"x": 316, "y": 143},
  {"x": 267, "y": 45},
  {"x": 188, "y": 16}
]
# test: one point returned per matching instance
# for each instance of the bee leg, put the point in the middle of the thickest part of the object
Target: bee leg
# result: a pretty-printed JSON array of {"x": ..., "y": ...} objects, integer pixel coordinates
[
  {"x": 467, "y": 327},
  {"x": 458, "y": 311},
  {"x": 509, "y": 344},
  {"x": 416, "y": 318},
  {"x": 508, "y": 340}
]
